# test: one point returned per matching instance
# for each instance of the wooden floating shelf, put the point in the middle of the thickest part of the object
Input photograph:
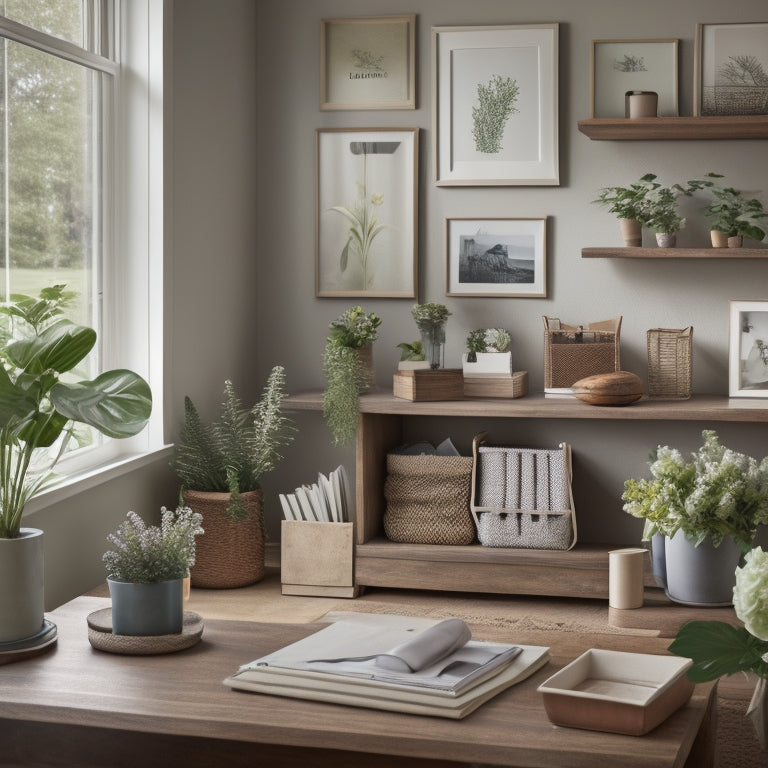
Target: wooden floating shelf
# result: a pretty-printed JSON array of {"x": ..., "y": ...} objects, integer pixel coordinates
[
  {"x": 661, "y": 128},
  {"x": 674, "y": 253}
]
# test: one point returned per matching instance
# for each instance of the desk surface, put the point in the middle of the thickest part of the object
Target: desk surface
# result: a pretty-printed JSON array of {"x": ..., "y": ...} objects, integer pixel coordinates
[{"x": 178, "y": 702}]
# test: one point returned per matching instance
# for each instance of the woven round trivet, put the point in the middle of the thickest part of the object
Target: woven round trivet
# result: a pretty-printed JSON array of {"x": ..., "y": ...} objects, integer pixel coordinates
[{"x": 100, "y": 636}]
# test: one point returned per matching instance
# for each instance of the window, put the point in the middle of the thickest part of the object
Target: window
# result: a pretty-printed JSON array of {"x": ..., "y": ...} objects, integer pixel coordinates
[{"x": 75, "y": 181}]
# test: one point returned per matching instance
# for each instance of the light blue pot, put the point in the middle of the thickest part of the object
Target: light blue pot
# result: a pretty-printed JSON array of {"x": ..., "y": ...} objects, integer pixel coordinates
[{"x": 147, "y": 609}]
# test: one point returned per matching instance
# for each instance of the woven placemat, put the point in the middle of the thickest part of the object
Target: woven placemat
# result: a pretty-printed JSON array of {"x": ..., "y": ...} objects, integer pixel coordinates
[{"x": 100, "y": 636}]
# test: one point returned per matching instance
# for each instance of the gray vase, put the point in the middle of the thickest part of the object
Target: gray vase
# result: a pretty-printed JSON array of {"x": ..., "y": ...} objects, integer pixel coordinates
[
  {"x": 703, "y": 575},
  {"x": 22, "y": 585},
  {"x": 147, "y": 609}
]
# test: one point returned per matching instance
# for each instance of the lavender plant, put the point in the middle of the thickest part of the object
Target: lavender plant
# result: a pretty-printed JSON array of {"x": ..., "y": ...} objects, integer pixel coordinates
[{"x": 152, "y": 554}]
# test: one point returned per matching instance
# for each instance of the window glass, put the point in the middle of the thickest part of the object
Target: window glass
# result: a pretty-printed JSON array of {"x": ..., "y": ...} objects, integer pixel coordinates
[{"x": 64, "y": 19}]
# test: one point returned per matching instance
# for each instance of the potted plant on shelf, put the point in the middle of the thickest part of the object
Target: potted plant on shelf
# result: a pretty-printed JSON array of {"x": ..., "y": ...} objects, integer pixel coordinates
[
  {"x": 411, "y": 356},
  {"x": 430, "y": 319},
  {"x": 146, "y": 572},
  {"x": 348, "y": 367},
  {"x": 220, "y": 465},
  {"x": 660, "y": 212},
  {"x": 628, "y": 205},
  {"x": 732, "y": 215},
  {"x": 39, "y": 405},
  {"x": 488, "y": 352},
  {"x": 705, "y": 512}
]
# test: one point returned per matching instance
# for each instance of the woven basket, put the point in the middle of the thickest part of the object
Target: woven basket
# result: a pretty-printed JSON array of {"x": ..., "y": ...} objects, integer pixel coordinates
[
  {"x": 428, "y": 499},
  {"x": 229, "y": 554},
  {"x": 669, "y": 363},
  {"x": 574, "y": 352}
]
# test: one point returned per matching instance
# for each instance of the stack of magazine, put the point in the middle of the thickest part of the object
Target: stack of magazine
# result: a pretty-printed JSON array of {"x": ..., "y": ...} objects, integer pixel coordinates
[
  {"x": 394, "y": 663},
  {"x": 325, "y": 501}
]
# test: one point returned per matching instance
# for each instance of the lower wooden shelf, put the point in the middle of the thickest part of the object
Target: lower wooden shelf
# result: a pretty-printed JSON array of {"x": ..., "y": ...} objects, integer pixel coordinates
[{"x": 580, "y": 572}]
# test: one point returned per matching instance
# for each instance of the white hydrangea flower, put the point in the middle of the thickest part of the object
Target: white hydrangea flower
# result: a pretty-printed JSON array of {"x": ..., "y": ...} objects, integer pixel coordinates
[{"x": 750, "y": 595}]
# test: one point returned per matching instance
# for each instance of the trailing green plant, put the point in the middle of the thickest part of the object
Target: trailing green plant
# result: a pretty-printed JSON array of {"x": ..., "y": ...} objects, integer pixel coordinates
[
  {"x": 153, "y": 554},
  {"x": 232, "y": 454},
  {"x": 411, "y": 352},
  {"x": 39, "y": 410},
  {"x": 345, "y": 378},
  {"x": 733, "y": 214}
]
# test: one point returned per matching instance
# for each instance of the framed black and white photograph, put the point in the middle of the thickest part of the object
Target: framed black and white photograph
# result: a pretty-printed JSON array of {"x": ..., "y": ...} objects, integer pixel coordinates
[
  {"x": 495, "y": 105},
  {"x": 367, "y": 197},
  {"x": 731, "y": 69},
  {"x": 621, "y": 67},
  {"x": 497, "y": 257},
  {"x": 748, "y": 355},
  {"x": 368, "y": 63}
]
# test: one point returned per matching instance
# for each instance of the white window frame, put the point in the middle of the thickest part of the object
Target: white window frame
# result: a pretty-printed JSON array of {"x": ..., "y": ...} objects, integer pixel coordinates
[{"x": 135, "y": 232}]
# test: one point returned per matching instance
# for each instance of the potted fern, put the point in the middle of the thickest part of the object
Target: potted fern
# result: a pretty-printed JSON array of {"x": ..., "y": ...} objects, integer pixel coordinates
[{"x": 220, "y": 465}]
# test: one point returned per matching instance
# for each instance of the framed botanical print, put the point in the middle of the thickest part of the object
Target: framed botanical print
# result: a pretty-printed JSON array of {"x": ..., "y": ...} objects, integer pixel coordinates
[{"x": 748, "y": 349}]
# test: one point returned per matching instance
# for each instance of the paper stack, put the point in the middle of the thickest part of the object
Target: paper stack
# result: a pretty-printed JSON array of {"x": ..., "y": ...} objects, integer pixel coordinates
[
  {"x": 325, "y": 501},
  {"x": 394, "y": 663}
]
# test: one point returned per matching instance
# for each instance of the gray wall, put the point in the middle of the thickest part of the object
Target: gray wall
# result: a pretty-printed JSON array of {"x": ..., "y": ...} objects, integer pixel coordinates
[{"x": 241, "y": 297}]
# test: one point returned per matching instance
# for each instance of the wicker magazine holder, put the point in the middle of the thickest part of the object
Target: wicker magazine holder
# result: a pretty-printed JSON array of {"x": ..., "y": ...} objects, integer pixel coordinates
[{"x": 669, "y": 363}]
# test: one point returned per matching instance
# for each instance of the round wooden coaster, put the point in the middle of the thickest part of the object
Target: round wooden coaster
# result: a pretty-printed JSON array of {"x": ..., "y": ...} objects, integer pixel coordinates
[
  {"x": 30, "y": 646},
  {"x": 100, "y": 636}
]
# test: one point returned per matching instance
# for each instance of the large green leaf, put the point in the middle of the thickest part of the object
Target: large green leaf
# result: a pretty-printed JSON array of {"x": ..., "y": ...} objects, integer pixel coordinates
[
  {"x": 717, "y": 648},
  {"x": 60, "y": 347},
  {"x": 15, "y": 403},
  {"x": 117, "y": 403}
]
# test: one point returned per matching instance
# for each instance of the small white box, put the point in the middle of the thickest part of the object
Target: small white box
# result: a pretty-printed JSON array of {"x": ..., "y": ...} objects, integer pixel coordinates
[{"x": 488, "y": 364}]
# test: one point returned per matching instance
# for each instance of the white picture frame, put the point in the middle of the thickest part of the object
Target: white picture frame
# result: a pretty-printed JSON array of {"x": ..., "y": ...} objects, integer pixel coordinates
[
  {"x": 748, "y": 349},
  {"x": 517, "y": 249},
  {"x": 495, "y": 105},
  {"x": 367, "y": 192}
]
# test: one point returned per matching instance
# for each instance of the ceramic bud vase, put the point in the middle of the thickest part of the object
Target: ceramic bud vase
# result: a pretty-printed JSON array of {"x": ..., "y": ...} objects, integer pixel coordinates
[
  {"x": 22, "y": 586},
  {"x": 141, "y": 609}
]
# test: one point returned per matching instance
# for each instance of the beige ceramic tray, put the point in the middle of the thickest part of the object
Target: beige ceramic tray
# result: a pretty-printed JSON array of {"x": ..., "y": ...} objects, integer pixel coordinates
[{"x": 616, "y": 691}]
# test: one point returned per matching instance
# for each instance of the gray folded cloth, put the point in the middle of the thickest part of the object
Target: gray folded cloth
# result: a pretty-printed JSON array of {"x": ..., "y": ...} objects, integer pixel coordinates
[{"x": 427, "y": 647}]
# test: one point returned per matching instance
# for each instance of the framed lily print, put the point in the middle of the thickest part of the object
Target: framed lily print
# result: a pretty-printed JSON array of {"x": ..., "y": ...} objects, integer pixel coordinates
[
  {"x": 731, "y": 69},
  {"x": 366, "y": 225},
  {"x": 748, "y": 349},
  {"x": 620, "y": 67},
  {"x": 368, "y": 63},
  {"x": 497, "y": 257},
  {"x": 495, "y": 105}
]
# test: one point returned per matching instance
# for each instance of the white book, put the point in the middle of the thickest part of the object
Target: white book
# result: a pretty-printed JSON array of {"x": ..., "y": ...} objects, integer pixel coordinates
[
  {"x": 285, "y": 504},
  {"x": 294, "y": 502},
  {"x": 327, "y": 490},
  {"x": 317, "y": 497},
  {"x": 307, "y": 511}
]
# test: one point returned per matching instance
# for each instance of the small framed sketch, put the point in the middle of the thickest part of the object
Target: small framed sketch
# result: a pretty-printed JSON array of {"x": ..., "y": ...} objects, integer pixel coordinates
[
  {"x": 368, "y": 63},
  {"x": 366, "y": 212},
  {"x": 748, "y": 355},
  {"x": 495, "y": 105},
  {"x": 497, "y": 257},
  {"x": 731, "y": 69},
  {"x": 619, "y": 67}
]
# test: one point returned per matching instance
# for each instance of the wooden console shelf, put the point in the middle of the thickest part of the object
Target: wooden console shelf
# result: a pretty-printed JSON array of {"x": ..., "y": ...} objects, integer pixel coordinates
[
  {"x": 581, "y": 572},
  {"x": 674, "y": 253},
  {"x": 661, "y": 128}
]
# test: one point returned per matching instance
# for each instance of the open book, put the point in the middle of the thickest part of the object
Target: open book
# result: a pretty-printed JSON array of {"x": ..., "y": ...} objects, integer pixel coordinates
[{"x": 393, "y": 663}]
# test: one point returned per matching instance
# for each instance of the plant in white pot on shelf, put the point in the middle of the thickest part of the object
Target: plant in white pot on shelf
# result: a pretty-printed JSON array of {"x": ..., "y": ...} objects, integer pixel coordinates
[
  {"x": 41, "y": 401},
  {"x": 733, "y": 216},
  {"x": 348, "y": 368},
  {"x": 661, "y": 213},
  {"x": 707, "y": 509},
  {"x": 488, "y": 353},
  {"x": 146, "y": 572},
  {"x": 430, "y": 319},
  {"x": 411, "y": 356}
]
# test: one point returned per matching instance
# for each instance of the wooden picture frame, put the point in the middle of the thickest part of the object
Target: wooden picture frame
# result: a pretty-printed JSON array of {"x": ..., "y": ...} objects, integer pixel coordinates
[
  {"x": 496, "y": 257},
  {"x": 748, "y": 349},
  {"x": 731, "y": 69},
  {"x": 366, "y": 219},
  {"x": 495, "y": 105},
  {"x": 619, "y": 67},
  {"x": 368, "y": 63}
]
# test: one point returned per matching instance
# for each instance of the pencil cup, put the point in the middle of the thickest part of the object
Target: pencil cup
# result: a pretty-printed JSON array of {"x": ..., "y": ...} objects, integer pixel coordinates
[{"x": 625, "y": 578}]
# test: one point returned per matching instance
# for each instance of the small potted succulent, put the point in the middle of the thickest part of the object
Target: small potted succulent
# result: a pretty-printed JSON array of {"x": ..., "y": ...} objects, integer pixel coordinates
[
  {"x": 732, "y": 215},
  {"x": 488, "y": 353},
  {"x": 348, "y": 367},
  {"x": 411, "y": 356},
  {"x": 430, "y": 319},
  {"x": 146, "y": 572}
]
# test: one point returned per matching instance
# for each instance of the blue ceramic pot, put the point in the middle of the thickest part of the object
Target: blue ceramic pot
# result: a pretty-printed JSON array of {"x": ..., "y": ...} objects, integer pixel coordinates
[{"x": 147, "y": 609}]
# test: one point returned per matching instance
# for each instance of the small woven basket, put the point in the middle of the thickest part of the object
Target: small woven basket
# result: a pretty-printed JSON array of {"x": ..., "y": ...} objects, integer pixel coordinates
[{"x": 669, "y": 363}]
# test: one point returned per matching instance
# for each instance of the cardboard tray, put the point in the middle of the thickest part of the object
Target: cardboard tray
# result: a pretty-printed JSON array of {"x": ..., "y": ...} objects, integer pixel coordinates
[{"x": 617, "y": 692}]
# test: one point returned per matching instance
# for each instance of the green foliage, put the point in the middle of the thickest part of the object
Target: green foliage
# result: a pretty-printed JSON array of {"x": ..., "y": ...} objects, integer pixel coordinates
[
  {"x": 488, "y": 340},
  {"x": 38, "y": 411},
  {"x": 732, "y": 213},
  {"x": 627, "y": 202},
  {"x": 660, "y": 209},
  {"x": 718, "y": 493},
  {"x": 363, "y": 230},
  {"x": 430, "y": 315},
  {"x": 354, "y": 328},
  {"x": 153, "y": 554},
  {"x": 411, "y": 352},
  {"x": 232, "y": 454},
  {"x": 717, "y": 649},
  {"x": 496, "y": 102}
]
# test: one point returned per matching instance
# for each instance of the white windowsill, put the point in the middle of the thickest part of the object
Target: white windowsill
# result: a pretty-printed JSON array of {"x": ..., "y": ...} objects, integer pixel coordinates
[{"x": 76, "y": 483}]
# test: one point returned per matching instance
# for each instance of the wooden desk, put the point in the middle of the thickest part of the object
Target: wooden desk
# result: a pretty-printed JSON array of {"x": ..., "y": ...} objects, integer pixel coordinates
[{"x": 77, "y": 706}]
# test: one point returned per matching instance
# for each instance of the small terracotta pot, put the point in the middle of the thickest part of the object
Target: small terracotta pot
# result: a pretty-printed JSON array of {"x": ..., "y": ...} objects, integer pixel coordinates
[
  {"x": 631, "y": 232},
  {"x": 719, "y": 239},
  {"x": 736, "y": 241}
]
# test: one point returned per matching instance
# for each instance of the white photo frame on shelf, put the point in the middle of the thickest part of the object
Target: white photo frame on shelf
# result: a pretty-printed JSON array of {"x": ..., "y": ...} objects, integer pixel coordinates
[
  {"x": 748, "y": 349},
  {"x": 495, "y": 105}
]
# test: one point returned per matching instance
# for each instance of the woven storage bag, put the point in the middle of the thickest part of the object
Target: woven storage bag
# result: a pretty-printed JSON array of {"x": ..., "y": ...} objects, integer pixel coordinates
[{"x": 427, "y": 499}]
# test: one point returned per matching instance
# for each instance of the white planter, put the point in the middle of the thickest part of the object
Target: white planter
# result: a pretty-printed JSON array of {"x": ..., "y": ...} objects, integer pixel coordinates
[
  {"x": 413, "y": 365},
  {"x": 22, "y": 585},
  {"x": 488, "y": 364}
]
